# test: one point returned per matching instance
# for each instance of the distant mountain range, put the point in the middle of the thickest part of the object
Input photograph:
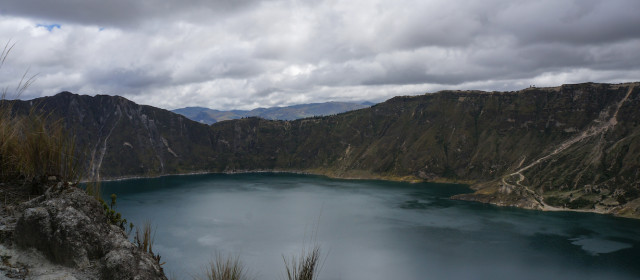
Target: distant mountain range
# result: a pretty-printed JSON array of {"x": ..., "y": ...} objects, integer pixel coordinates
[
  {"x": 209, "y": 116},
  {"x": 567, "y": 147}
]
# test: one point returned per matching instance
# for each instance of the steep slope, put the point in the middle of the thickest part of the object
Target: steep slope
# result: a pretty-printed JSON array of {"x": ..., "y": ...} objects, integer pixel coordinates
[
  {"x": 119, "y": 138},
  {"x": 596, "y": 168},
  {"x": 455, "y": 135},
  {"x": 573, "y": 146}
]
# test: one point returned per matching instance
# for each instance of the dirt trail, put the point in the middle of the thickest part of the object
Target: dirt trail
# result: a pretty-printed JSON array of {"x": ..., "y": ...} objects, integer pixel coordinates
[{"x": 600, "y": 126}]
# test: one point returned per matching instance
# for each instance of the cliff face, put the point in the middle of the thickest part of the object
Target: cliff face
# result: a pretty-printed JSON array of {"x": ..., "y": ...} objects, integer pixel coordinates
[
  {"x": 573, "y": 146},
  {"x": 116, "y": 137}
]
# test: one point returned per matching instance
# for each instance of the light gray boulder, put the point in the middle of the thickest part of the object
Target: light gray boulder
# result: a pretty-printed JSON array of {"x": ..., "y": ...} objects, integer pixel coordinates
[{"x": 70, "y": 228}]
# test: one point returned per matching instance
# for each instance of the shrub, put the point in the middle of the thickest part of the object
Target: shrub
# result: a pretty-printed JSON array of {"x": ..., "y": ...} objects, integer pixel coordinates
[
  {"x": 556, "y": 201},
  {"x": 581, "y": 203}
]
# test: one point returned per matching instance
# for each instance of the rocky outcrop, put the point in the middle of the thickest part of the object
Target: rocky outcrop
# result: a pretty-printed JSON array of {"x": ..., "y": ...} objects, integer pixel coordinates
[{"x": 70, "y": 229}]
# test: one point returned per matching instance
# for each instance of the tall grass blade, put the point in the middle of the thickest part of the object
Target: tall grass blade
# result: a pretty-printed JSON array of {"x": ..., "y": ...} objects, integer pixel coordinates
[
  {"x": 225, "y": 268},
  {"x": 33, "y": 145},
  {"x": 304, "y": 267}
]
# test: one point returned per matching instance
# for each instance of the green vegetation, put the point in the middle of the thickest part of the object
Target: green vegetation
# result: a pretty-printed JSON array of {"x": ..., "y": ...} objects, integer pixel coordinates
[
  {"x": 94, "y": 189},
  {"x": 580, "y": 203},
  {"x": 449, "y": 136},
  {"x": 114, "y": 217},
  {"x": 556, "y": 201},
  {"x": 453, "y": 136}
]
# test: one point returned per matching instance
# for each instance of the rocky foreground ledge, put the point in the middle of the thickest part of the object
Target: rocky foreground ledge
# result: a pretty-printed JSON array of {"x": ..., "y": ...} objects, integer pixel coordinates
[{"x": 64, "y": 234}]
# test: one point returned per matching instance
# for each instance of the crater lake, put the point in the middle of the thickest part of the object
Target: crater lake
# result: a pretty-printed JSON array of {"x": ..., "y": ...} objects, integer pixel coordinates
[{"x": 369, "y": 229}]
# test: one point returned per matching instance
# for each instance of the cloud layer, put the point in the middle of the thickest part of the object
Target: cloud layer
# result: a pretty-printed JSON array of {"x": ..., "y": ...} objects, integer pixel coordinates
[{"x": 244, "y": 54}]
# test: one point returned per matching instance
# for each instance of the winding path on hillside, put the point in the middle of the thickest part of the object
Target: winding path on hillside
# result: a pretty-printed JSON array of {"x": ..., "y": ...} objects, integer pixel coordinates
[{"x": 600, "y": 127}]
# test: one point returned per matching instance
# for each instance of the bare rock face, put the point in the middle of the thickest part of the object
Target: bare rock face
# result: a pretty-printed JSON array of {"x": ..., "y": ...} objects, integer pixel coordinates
[{"x": 70, "y": 228}]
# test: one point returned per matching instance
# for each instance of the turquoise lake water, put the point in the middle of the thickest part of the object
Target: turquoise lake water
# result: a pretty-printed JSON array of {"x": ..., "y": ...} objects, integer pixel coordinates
[{"x": 370, "y": 229}]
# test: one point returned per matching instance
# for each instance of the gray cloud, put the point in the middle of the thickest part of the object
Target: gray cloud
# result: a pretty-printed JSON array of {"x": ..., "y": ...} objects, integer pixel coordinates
[
  {"x": 244, "y": 54},
  {"x": 571, "y": 22},
  {"x": 122, "y": 13}
]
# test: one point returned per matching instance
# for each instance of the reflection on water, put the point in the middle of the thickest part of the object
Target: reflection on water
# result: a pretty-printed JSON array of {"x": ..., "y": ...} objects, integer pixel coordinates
[
  {"x": 597, "y": 246},
  {"x": 371, "y": 229}
]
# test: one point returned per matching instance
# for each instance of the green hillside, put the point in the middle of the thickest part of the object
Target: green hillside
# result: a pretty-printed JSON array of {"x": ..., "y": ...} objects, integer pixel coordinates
[{"x": 573, "y": 146}]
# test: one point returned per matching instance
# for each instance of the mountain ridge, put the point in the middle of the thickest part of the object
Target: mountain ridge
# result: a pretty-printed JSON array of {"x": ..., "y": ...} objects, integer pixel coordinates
[
  {"x": 210, "y": 116},
  {"x": 476, "y": 137}
]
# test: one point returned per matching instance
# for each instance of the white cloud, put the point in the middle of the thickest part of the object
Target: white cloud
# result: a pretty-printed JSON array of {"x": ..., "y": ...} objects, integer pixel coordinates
[{"x": 246, "y": 54}]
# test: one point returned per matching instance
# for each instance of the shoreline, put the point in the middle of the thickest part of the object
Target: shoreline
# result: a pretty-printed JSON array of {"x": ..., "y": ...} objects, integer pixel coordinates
[
  {"x": 123, "y": 178},
  {"x": 368, "y": 176},
  {"x": 618, "y": 212},
  {"x": 328, "y": 174}
]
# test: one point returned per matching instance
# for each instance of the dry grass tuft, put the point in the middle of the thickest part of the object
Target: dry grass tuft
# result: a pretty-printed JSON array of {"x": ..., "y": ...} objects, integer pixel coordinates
[
  {"x": 33, "y": 146},
  {"x": 144, "y": 239},
  {"x": 225, "y": 268},
  {"x": 305, "y": 267}
]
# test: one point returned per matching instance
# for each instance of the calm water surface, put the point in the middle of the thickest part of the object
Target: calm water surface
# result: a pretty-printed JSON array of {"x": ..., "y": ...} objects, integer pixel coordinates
[{"x": 370, "y": 229}]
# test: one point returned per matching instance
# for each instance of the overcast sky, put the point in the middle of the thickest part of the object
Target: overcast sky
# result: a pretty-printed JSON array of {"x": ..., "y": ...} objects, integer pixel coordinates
[{"x": 243, "y": 54}]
